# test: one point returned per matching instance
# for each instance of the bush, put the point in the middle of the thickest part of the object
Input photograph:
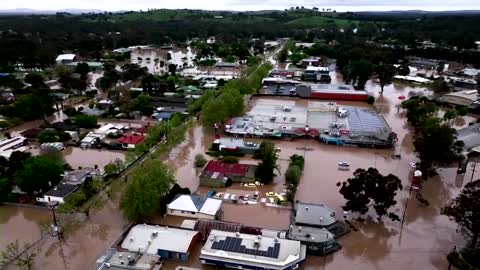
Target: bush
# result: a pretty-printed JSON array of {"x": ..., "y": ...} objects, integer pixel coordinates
[
  {"x": 213, "y": 153},
  {"x": 200, "y": 161},
  {"x": 48, "y": 136},
  {"x": 297, "y": 160},
  {"x": 370, "y": 100},
  {"x": 230, "y": 160},
  {"x": 457, "y": 260},
  {"x": 231, "y": 154},
  {"x": 85, "y": 121}
]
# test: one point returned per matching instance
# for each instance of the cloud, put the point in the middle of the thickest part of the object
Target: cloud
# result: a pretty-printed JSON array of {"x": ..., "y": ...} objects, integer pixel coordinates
[{"x": 241, "y": 4}]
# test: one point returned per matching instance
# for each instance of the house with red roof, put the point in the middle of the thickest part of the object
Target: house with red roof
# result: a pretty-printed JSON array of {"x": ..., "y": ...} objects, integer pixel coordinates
[
  {"x": 130, "y": 140},
  {"x": 217, "y": 173}
]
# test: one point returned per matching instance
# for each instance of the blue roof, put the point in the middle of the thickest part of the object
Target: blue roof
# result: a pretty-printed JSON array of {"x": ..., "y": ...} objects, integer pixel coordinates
[
  {"x": 2, "y": 75},
  {"x": 162, "y": 115}
]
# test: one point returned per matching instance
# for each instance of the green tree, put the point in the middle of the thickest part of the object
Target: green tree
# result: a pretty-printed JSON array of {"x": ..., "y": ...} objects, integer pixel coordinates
[
  {"x": 368, "y": 188},
  {"x": 214, "y": 111},
  {"x": 268, "y": 163},
  {"x": 436, "y": 144},
  {"x": 293, "y": 175},
  {"x": 48, "y": 135},
  {"x": 83, "y": 69},
  {"x": 282, "y": 55},
  {"x": 252, "y": 61},
  {"x": 450, "y": 115},
  {"x": 85, "y": 121},
  {"x": 440, "y": 86},
  {"x": 462, "y": 111},
  {"x": 38, "y": 174},
  {"x": 110, "y": 169},
  {"x": 5, "y": 189},
  {"x": 143, "y": 103},
  {"x": 465, "y": 211},
  {"x": 297, "y": 160},
  {"x": 133, "y": 72},
  {"x": 296, "y": 57},
  {"x": 200, "y": 161},
  {"x": 35, "y": 79},
  {"x": 149, "y": 184},
  {"x": 385, "y": 74},
  {"x": 419, "y": 110},
  {"x": 21, "y": 257}
]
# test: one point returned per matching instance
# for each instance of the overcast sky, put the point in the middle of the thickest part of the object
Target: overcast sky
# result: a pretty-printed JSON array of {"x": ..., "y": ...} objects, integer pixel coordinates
[{"x": 339, "y": 5}]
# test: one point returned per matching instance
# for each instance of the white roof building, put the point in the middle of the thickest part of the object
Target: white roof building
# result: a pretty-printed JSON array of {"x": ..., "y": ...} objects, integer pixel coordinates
[
  {"x": 468, "y": 98},
  {"x": 246, "y": 251},
  {"x": 152, "y": 239},
  {"x": 194, "y": 206},
  {"x": 65, "y": 58},
  {"x": 8, "y": 146}
]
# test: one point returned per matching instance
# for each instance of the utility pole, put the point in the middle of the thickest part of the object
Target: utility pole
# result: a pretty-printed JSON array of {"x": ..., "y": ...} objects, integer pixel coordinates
[
  {"x": 55, "y": 226},
  {"x": 474, "y": 165}
]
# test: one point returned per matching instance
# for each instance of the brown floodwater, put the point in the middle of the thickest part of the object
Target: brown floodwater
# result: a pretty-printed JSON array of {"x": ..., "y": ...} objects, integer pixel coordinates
[
  {"x": 84, "y": 241},
  {"x": 425, "y": 237},
  {"x": 421, "y": 243},
  {"x": 26, "y": 225}
]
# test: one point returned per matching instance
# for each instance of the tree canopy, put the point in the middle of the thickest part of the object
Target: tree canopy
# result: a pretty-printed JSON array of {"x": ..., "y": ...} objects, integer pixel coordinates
[
  {"x": 369, "y": 189},
  {"x": 465, "y": 211},
  {"x": 268, "y": 164},
  {"x": 148, "y": 185},
  {"x": 385, "y": 74},
  {"x": 39, "y": 173}
]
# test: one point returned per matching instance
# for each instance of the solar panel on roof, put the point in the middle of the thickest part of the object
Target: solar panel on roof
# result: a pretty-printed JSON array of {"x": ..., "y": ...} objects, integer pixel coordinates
[{"x": 233, "y": 244}]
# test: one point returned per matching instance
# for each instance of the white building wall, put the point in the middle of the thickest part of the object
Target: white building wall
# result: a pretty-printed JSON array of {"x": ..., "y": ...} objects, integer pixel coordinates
[{"x": 188, "y": 214}]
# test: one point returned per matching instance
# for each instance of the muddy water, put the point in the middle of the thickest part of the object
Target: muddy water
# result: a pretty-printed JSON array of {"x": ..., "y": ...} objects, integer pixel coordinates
[
  {"x": 425, "y": 237},
  {"x": 23, "y": 224},
  {"x": 422, "y": 243},
  {"x": 182, "y": 157},
  {"x": 78, "y": 157}
]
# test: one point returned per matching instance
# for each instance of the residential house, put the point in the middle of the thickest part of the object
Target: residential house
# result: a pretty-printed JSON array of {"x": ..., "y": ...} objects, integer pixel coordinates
[
  {"x": 129, "y": 141},
  {"x": 63, "y": 59},
  {"x": 8, "y": 146},
  {"x": 218, "y": 174},
  {"x": 78, "y": 177},
  {"x": 59, "y": 193},
  {"x": 194, "y": 206}
]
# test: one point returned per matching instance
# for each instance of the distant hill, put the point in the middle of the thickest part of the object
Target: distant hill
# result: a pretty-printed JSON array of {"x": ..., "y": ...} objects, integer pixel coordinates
[{"x": 27, "y": 11}]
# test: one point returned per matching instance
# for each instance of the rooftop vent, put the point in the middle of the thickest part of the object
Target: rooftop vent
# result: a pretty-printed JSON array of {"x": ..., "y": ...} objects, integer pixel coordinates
[
  {"x": 122, "y": 262},
  {"x": 120, "y": 255},
  {"x": 237, "y": 234},
  {"x": 259, "y": 237},
  {"x": 131, "y": 239}
]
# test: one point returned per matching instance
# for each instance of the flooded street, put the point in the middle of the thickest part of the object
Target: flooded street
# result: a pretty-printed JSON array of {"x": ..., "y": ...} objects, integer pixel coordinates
[{"x": 421, "y": 243}]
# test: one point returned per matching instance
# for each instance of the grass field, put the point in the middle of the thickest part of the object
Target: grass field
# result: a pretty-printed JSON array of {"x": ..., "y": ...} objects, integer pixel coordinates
[{"x": 316, "y": 21}]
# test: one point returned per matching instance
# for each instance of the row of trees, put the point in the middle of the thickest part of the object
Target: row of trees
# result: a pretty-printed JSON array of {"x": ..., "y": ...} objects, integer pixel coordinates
[{"x": 216, "y": 106}]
